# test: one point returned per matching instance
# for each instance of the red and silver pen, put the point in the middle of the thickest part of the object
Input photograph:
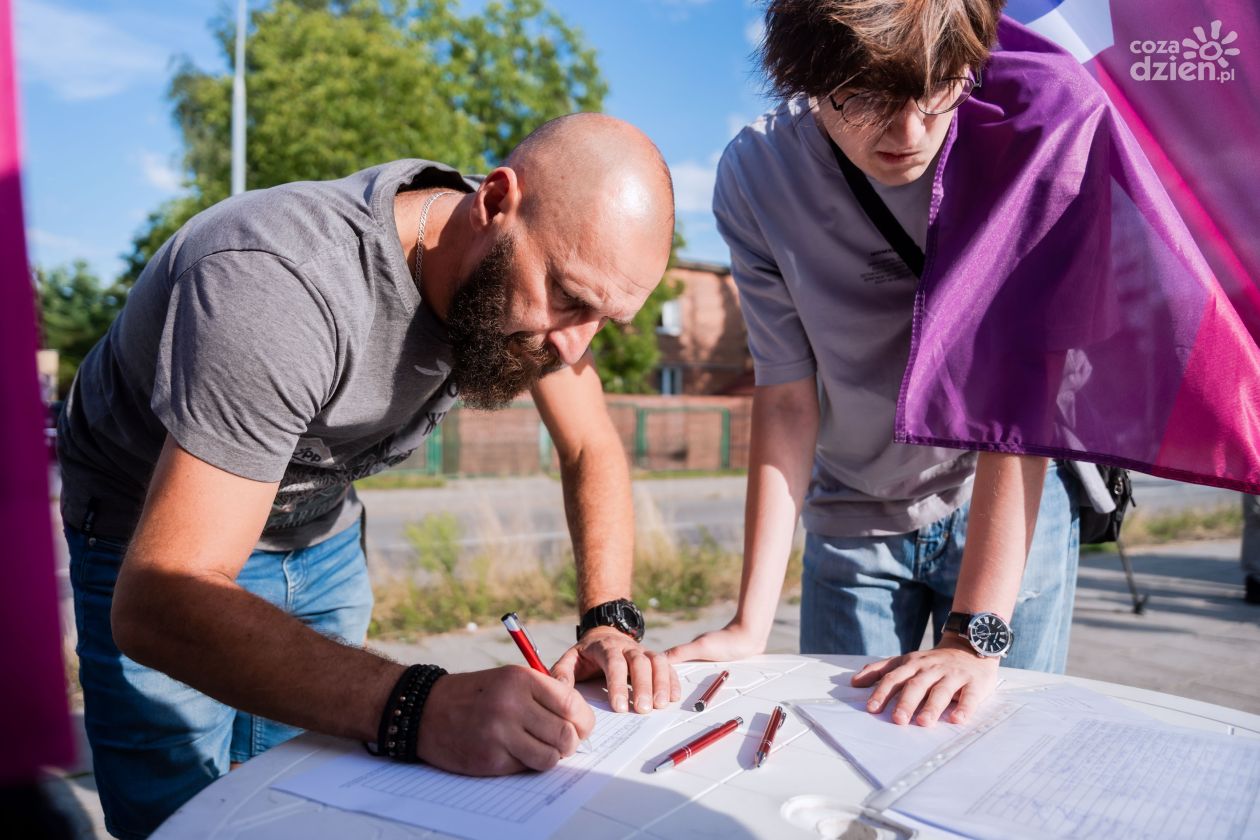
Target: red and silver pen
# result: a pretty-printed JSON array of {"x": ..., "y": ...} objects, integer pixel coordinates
[
  {"x": 710, "y": 691},
  {"x": 777, "y": 717},
  {"x": 689, "y": 749},
  {"x": 517, "y": 631}
]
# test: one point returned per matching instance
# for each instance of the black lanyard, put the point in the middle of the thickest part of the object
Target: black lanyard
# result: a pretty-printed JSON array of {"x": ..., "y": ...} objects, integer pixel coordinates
[{"x": 879, "y": 214}]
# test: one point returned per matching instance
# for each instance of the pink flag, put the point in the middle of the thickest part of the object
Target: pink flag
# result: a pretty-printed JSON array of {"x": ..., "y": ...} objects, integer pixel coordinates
[
  {"x": 1089, "y": 290},
  {"x": 34, "y": 724}
]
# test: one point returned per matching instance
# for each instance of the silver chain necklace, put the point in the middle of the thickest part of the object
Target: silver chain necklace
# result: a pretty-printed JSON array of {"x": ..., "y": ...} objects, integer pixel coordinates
[{"x": 424, "y": 221}]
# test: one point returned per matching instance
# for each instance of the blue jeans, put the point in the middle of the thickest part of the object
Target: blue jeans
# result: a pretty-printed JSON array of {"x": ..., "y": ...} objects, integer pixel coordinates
[
  {"x": 155, "y": 741},
  {"x": 1251, "y": 536},
  {"x": 875, "y": 595}
]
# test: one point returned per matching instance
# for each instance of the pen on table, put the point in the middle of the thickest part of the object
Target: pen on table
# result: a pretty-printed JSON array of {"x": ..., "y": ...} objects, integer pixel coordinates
[
  {"x": 517, "y": 631},
  {"x": 777, "y": 717},
  {"x": 710, "y": 691},
  {"x": 689, "y": 749}
]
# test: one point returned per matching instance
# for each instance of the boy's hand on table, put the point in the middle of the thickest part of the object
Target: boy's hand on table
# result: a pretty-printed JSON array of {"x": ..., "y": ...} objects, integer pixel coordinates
[{"x": 925, "y": 682}]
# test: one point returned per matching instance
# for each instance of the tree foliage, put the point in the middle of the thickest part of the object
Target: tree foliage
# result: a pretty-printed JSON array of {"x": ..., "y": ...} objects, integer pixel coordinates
[
  {"x": 75, "y": 310},
  {"x": 627, "y": 356},
  {"x": 335, "y": 86}
]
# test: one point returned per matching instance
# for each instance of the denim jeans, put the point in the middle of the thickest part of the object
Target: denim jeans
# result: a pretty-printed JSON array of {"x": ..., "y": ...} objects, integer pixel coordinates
[
  {"x": 155, "y": 741},
  {"x": 1251, "y": 536},
  {"x": 874, "y": 596}
]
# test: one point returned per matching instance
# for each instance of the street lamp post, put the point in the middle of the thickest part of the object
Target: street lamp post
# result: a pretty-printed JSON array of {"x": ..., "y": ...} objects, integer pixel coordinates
[{"x": 238, "y": 105}]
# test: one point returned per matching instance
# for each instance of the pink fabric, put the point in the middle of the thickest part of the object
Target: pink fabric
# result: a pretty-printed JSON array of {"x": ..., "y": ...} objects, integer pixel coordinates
[
  {"x": 1200, "y": 135},
  {"x": 1065, "y": 308},
  {"x": 1216, "y": 375},
  {"x": 34, "y": 724}
]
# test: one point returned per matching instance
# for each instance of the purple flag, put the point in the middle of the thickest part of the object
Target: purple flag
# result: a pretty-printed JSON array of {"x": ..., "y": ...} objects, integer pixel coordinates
[
  {"x": 1066, "y": 309},
  {"x": 34, "y": 724}
]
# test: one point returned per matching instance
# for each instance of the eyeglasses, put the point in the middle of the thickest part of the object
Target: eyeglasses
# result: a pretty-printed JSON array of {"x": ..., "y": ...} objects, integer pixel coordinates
[{"x": 868, "y": 108}]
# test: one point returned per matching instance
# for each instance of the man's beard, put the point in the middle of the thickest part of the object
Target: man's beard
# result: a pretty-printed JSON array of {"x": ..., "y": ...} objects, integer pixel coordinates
[{"x": 491, "y": 367}]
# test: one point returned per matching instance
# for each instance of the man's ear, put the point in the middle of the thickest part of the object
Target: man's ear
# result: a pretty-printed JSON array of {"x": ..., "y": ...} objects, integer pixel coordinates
[{"x": 498, "y": 199}]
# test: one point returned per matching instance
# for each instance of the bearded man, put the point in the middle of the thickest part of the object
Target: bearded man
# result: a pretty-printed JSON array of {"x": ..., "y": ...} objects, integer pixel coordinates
[{"x": 288, "y": 341}]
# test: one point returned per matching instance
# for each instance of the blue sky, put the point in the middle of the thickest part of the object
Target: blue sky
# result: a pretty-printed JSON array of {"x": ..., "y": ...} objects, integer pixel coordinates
[{"x": 101, "y": 151}]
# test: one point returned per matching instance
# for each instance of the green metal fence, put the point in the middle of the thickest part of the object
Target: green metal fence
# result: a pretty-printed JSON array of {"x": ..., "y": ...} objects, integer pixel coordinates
[{"x": 514, "y": 441}]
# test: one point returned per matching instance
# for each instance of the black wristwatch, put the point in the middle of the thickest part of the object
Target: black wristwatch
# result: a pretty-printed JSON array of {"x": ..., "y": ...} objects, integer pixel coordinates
[
  {"x": 621, "y": 614},
  {"x": 988, "y": 633}
]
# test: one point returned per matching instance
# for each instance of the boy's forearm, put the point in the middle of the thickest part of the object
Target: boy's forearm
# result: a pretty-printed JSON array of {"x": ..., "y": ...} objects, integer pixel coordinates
[
  {"x": 781, "y": 457},
  {"x": 1004, "y": 505}
]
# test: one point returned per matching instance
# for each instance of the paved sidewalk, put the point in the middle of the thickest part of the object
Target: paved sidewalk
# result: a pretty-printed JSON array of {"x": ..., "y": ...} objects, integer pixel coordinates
[{"x": 1196, "y": 639}]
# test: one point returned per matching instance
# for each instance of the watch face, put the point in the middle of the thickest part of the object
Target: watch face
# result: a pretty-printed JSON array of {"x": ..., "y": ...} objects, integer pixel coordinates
[
  {"x": 631, "y": 621},
  {"x": 989, "y": 634}
]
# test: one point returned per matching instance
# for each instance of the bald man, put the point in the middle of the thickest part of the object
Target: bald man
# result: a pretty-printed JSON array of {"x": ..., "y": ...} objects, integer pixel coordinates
[{"x": 288, "y": 341}]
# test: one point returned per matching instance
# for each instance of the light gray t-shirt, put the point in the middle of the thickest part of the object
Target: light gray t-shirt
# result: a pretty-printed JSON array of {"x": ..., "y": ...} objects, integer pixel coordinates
[
  {"x": 823, "y": 293},
  {"x": 279, "y": 336}
]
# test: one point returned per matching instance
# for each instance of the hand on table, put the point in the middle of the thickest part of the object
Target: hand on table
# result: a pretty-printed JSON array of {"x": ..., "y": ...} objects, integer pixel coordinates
[
  {"x": 928, "y": 680},
  {"x": 501, "y": 721},
  {"x": 732, "y": 642},
  {"x": 621, "y": 659}
]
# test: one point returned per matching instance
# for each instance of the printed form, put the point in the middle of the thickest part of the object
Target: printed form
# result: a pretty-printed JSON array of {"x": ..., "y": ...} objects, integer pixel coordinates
[
  {"x": 1095, "y": 777},
  {"x": 884, "y": 751},
  {"x": 1056, "y": 762},
  {"x": 524, "y": 806}
]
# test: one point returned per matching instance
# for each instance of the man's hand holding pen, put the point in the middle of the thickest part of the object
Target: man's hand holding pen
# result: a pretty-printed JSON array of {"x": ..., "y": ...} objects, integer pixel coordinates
[{"x": 520, "y": 720}]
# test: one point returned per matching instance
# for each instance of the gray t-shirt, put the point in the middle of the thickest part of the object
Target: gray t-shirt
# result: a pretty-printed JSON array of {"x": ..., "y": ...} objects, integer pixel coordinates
[
  {"x": 823, "y": 293},
  {"x": 279, "y": 336}
]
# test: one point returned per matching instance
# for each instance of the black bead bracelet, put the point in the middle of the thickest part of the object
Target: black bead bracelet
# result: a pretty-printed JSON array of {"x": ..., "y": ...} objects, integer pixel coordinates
[{"x": 398, "y": 733}]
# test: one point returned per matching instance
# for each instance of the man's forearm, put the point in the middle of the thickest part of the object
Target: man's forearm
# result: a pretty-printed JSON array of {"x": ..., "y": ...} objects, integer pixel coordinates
[
  {"x": 241, "y": 650},
  {"x": 1004, "y": 504},
  {"x": 600, "y": 511}
]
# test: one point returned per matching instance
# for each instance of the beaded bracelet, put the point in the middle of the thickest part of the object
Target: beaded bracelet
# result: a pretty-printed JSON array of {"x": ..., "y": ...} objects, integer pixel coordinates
[{"x": 399, "y": 730}]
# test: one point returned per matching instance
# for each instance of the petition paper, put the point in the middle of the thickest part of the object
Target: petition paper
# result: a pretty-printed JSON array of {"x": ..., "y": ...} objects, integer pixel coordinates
[
  {"x": 1037, "y": 777},
  {"x": 524, "y": 806}
]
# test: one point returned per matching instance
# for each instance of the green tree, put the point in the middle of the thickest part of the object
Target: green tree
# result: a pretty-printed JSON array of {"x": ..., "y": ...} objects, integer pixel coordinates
[
  {"x": 75, "y": 310},
  {"x": 627, "y": 356},
  {"x": 338, "y": 85},
  {"x": 335, "y": 86}
]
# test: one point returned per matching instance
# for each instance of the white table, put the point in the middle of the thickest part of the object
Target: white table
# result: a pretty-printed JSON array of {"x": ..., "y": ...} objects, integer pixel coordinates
[{"x": 715, "y": 794}]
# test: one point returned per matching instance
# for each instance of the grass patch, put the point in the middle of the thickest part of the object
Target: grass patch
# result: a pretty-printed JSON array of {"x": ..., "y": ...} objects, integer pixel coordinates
[
  {"x": 400, "y": 480},
  {"x": 1223, "y": 522},
  {"x": 446, "y": 587},
  {"x": 660, "y": 474},
  {"x": 445, "y": 591},
  {"x": 652, "y": 475},
  {"x": 682, "y": 579}
]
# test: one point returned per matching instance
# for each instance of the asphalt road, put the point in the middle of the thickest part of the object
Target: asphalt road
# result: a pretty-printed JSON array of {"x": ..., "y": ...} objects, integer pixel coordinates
[{"x": 525, "y": 516}]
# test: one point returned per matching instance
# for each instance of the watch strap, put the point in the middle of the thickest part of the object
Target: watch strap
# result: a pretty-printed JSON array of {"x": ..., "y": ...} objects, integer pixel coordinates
[
  {"x": 956, "y": 622},
  {"x": 610, "y": 614}
]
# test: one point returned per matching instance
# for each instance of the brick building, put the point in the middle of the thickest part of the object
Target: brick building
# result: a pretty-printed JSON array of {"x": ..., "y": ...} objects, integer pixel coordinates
[
  {"x": 699, "y": 421},
  {"x": 704, "y": 346}
]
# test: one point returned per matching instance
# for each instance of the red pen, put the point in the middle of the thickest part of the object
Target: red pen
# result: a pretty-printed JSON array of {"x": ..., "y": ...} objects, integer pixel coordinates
[
  {"x": 517, "y": 631},
  {"x": 689, "y": 749},
  {"x": 777, "y": 717},
  {"x": 710, "y": 691}
]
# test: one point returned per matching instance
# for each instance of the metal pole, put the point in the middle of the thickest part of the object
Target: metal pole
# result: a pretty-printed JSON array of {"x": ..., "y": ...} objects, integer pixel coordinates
[
  {"x": 726, "y": 439},
  {"x": 1139, "y": 600},
  {"x": 238, "y": 105}
]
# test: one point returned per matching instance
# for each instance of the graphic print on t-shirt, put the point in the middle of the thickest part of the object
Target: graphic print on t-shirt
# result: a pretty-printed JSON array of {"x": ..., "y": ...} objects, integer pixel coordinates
[
  {"x": 315, "y": 482},
  {"x": 885, "y": 266}
]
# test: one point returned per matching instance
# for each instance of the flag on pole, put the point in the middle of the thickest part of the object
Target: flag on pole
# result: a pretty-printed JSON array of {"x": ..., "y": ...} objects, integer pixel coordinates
[{"x": 1089, "y": 291}]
